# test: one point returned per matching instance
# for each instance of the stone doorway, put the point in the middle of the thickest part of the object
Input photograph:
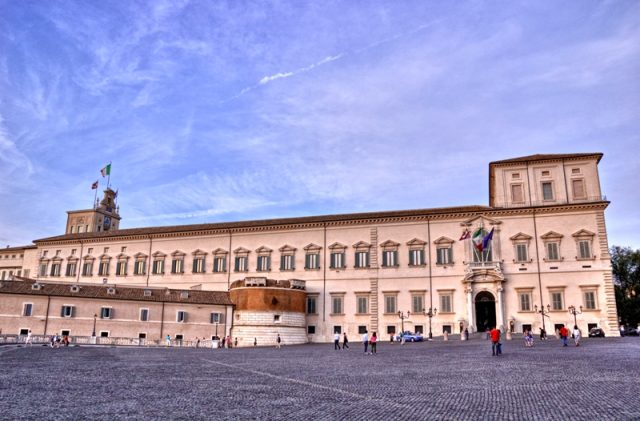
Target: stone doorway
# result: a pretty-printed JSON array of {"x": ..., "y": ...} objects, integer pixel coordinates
[{"x": 485, "y": 311}]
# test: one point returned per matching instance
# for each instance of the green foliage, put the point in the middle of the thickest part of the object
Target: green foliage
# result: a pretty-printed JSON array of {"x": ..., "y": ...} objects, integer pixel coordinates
[{"x": 625, "y": 264}]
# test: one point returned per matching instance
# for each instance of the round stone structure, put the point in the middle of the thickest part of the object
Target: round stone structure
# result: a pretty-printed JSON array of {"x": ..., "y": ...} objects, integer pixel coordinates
[{"x": 266, "y": 308}]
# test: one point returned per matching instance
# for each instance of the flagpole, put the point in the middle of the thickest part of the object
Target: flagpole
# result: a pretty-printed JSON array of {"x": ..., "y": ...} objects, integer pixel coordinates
[
  {"x": 109, "y": 176},
  {"x": 95, "y": 198}
]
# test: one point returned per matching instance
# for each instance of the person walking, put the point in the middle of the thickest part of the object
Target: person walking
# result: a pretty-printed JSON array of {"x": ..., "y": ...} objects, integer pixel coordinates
[
  {"x": 365, "y": 341},
  {"x": 543, "y": 334},
  {"x": 374, "y": 343},
  {"x": 224, "y": 340},
  {"x": 576, "y": 335},
  {"x": 336, "y": 341},
  {"x": 564, "y": 333},
  {"x": 28, "y": 341},
  {"x": 255, "y": 341},
  {"x": 495, "y": 342},
  {"x": 168, "y": 340},
  {"x": 278, "y": 341},
  {"x": 345, "y": 341}
]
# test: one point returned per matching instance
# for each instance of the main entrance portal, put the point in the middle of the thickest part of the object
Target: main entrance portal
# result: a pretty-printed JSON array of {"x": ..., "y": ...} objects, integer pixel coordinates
[{"x": 485, "y": 311}]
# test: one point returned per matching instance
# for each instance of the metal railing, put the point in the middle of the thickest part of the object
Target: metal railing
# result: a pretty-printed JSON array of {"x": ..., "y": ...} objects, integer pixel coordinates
[{"x": 107, "y": 341}]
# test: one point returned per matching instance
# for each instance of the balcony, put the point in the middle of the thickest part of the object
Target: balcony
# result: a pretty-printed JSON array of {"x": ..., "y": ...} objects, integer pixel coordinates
[
  {"x": 483, "y": 271},
  {"x": 556, "y": 202}
]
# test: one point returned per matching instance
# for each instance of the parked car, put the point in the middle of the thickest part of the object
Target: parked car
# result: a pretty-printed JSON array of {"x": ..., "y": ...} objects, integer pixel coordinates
[
  {"x": 410, "y": 337},
  {"x": 596, "y": 332},
  {"x": 631, "y": 332}
]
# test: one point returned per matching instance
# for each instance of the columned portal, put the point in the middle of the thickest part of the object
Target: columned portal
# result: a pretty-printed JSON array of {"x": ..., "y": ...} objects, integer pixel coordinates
[{"x": 485, "y": 311}]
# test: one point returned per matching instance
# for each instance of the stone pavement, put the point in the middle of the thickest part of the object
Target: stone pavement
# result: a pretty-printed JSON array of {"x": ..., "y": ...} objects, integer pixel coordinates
[{"x": 433, "y": 380}]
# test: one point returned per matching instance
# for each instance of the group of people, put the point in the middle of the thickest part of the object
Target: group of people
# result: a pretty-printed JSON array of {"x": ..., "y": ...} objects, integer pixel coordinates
[
  {"x": 564, "y": 335},
  {"x": 56, "y": 341},
  {"x": 370, "y": 343}
]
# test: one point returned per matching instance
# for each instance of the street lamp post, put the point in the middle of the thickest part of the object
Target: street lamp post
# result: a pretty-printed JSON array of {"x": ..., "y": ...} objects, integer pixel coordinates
[
  {"x": 402, "y": 317},
  {"x": 95, "y": 316},
  {"x": 575, "y": 312},
  {"x": 543, "y": 313},
  {"x": 430, "y": 314},
  {"x": 216, "y": 330}
]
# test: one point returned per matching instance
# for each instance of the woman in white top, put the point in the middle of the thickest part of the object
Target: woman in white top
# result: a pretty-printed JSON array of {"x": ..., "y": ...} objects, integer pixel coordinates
[{"x": 576, "y": 335}]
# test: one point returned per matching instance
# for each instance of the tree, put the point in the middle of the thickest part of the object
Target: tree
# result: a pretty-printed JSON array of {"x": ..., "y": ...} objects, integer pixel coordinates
[{"x": 625, "y": 264}]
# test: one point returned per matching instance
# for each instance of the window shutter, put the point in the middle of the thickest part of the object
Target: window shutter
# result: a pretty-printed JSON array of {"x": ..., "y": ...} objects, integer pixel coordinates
[
  {"x": 73, "y": 311},
  {"x": 282, "y": 262},
  {"x": 62, "y": 311},
  {"x": 221, "y": 318},
  {"x": 385, "y": 261}
]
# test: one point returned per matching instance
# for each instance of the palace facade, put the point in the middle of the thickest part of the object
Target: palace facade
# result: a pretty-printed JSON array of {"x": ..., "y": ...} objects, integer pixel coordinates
[{"x": 380, "y": 271}]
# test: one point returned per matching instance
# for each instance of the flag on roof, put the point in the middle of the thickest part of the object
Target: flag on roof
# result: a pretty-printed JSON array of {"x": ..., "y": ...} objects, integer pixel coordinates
[
  {"x": 94, "y": 186},
  {"x": 106, "y": 170},
  {"x": 465, "y": 234}
]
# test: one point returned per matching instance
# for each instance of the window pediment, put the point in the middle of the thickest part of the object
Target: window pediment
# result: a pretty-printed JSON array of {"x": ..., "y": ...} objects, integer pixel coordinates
[
  {"x": 242, "y": 251},
  {"x": 584, "y": 234},
  {"x": 390, "y": 245},
  {"x": 551, "y": 236},
  {"x": 105, "y": 257},
  {"x": 362, "y": 245},
  {"x": 444, "y": 241},
  {"x": 287, "y": 249},
  {"x": 520, "y": 237},
  {"x": 199, "y": 252},
  {"x": 122, "y": 256},
  {"x": 140, "y": 256},
  {"x": 88, "y": 257},
  {"x": 480, "y": 219},
  {"x": 416, "y": 243},
  {"x": 219, "y": 252},
  {"x": 263, "y": 250},
  {"x": 312, "y": 247},
  {"x": 337, "y": 247},
  {"x": 178, "y": 253},
  {"x": 159, "y": 254}
]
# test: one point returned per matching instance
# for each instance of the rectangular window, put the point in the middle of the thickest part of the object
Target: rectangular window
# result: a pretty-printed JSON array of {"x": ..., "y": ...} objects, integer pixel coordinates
[
  {"x": 219, "y": 264},
  {"x": 71, "y": 269},
  {"x": 446, "y": 305},
  {"x": 311, "y": 305},
  {"x": 27, "y": 309},
  {"x": 337, "y": 329},
  {"x": 311, "y": 330},
  {"x": 55, "y": 269},
  {"x": 241, "y": 264},
  {"x": 578, "y": 189},
  {"x": 525, "y": 301},
  {"x": 158, "y": 267},
  {"x": 181, "y": 316},
  {"x": 417, "y": 304},
  {"x": 140, "y": 267},
  {"x": 363, "y": 305},
  {"x": 556, "y": 301},
  {"x": 264, "y": 263},
  {"x": 103, "y": 269},
  {"x": 286, "y": 262},
  {"x": 198, "y": 265},
  {"x": 87, "y": 269},
  {"x": 336, "y": 305},
  {"x": 552, "y": 251},
  {"x": 391, "y": 329},
  {"x": 590, "y": 300},
  {"x": 43, "y": 269},
  {"x": 362, "y": 330},
  {"x": 444, "y": 256},
  {"x": 337, "y": 260},
  {"x": 176, "y": 265},
  {"x": 419, "y": 329},
  {"x": 362, "y": 259},
  {"x": 106, "y": 312},
  {"x": 416, "y": 257},
  {"x": 144, "y": 314},
  {"x": 216, "y": 318},
  {"x": 312, "y": 261},
  {"x": 66, "y": 311},
  {"x": 121, "y": 268},
  {"x": 389, "y": 258},
  {"x": 585, "y": 249},
  {"x": 390, "y": 304},
  {"x": 547, "y": 191},
  {"x": 521, "y": 253},
  {"x": 517, "y": 195}
]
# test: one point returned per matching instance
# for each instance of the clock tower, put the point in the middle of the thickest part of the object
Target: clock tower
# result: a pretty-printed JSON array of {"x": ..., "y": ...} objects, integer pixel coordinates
[{"x": 103, "y": 217}]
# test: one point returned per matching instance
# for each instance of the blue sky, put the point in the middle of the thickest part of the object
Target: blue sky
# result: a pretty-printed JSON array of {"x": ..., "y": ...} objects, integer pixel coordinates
[{"x": 223, "y": 111}]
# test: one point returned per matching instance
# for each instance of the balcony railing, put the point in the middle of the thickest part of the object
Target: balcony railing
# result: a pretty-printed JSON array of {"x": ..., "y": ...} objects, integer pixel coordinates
[{"x": 497, "y": 266}]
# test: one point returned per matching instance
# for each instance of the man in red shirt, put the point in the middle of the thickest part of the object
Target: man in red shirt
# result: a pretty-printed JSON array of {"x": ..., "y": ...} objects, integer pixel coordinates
[
  {"x": 496, "y": 347},
  {"x": 564, "y": 332}
]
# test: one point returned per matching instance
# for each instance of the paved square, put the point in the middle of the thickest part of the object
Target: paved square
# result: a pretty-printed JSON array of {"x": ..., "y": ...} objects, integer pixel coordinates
[{"x": 439, "y": 380}]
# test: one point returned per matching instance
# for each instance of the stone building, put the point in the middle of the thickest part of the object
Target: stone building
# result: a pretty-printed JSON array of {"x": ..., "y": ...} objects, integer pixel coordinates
[{"x": 522, "y": 262}]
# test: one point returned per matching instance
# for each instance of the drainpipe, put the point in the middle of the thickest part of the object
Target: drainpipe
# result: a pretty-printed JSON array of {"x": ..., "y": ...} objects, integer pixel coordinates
[{"x": 46, "y": 316}]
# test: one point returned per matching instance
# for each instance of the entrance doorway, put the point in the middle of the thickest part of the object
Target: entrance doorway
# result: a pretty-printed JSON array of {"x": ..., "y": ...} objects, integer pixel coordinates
[{"x": 485, "y": 311}]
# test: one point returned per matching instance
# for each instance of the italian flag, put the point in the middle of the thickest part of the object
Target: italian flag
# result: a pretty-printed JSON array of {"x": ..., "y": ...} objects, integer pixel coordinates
[
  {"x": 106, "y": 170},
  {"x": 477, "y": 239}
]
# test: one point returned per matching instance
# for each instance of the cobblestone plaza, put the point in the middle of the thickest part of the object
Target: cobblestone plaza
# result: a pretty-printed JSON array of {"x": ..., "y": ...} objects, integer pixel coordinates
[{"x": 433, "y": 380}]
